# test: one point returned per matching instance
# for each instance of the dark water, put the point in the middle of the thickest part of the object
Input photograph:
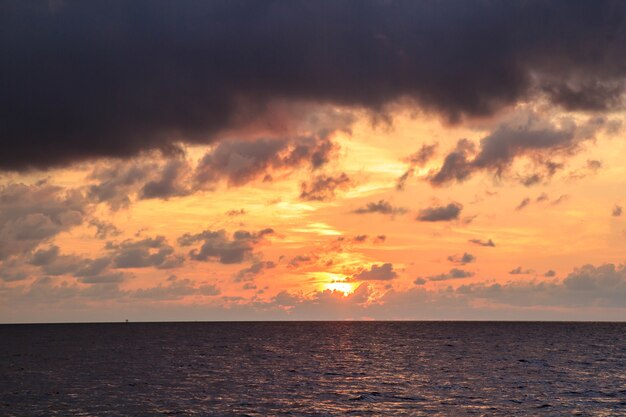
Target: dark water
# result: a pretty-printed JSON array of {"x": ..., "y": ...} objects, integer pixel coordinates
[{"x": 332, "y": 368}]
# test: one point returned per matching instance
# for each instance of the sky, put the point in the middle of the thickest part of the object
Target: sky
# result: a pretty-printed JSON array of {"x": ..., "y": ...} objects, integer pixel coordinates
[{"x": 330, "y": 160}]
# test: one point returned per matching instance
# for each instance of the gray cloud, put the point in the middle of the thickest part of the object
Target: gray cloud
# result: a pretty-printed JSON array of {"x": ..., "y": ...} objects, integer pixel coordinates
[
  {"x": 250, "y": 273},
  {"x": 175, "y": 289},
  {"x": 617, "y": 211},
  {"x": 324, "y": 187},
  {"x": 149, "y": 252},
  {"x": 528, "y": 135},
  {"x": 104, "y": 229},
  {"x": 525, "y": 202},
  {"x": 33, "y": 214},
  {"x": 382, "y": 207},
  {"x": 217, "y": 246},
  {"x": 418, "y": 159},
  {"x": 170, "y": 183},
  {"x": 481, "y": 242},
  {"x": 464, "y": 259},
  {"x": 454, "y": 273},
  {"x": 520, "y": 271},
  {"x": 382, "y": 272},
  {"x": 440, "y": 213},
  {"x": 241, "y": 161}
]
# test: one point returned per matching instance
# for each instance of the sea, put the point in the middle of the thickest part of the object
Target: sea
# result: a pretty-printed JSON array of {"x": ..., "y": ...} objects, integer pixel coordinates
[{"x": 313, "y": 369}]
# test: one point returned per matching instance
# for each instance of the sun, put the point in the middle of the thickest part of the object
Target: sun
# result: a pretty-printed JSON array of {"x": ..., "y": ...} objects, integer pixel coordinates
[{"x": 339, "y": 286}]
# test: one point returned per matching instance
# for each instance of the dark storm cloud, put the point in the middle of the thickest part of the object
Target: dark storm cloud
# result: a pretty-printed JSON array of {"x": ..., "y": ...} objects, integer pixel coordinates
[
  {"x": 382, "y": 207},
  {"x": 324, "y": 187},
  {"x": 88, "y": 79},
  {"x": 382, "y": 272},
  {"x": 440, "y": 213},
  {"x": 217, "y": 246},
  {"x": 617, "y": 211}
]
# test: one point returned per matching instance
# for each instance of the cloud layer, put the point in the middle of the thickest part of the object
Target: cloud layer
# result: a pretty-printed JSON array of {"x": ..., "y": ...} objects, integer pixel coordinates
[{"x": 144, "y": 76}]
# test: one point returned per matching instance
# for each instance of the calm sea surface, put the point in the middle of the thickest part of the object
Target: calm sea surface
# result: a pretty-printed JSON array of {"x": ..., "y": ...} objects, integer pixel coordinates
[{"x": 313, "y": 368}]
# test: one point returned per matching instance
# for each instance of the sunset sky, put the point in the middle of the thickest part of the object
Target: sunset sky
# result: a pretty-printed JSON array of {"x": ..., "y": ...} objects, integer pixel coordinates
[{"x": 288, "y": 160}]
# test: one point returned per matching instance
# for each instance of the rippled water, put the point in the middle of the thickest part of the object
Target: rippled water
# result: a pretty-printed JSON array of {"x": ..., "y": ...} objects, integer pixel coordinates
[{"x": 313, "y": 368}]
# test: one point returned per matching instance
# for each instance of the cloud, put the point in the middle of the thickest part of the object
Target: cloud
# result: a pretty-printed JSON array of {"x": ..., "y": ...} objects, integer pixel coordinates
[
  {"x": 481, "y": 242},
  {"x": 384, "y": 272},
  {"x": 15, "y": 269},
  {"x": 192, "y": 84},
  {"x": 526, "y": 134},
  {"x": 175, "y": 289},
  {"x": 456, "y": 165},
  {"x": 324, "y": 187},
  {"x": 549, "y": 273},
  {"x": 250, "y": 273},
  {"x": 117, "y": 180},
  {"x": 559, "y": 200},
  {"x": 419, "y": 281},
  {"x": 454, "y": 273},
  {"x": 217, "y": 246},
  {"x": 588, "y": 293},
  {"x": 104, "y": 229},
  {"x": 382, "y": 207},
  {"x": 525, "y": 202},
  {"x": 170, "y": 183},
  {"x": 588, "y": 286},
  {"x": 34, "y": 214},
  {"x": 440, "y": 213},
  {"x": 86, "y": 270},
  {"x": 617, "y": 211},
  {"x": 520, "y": 271},
  {"x": 149, "y": 252},
  {"x": 464, "y": 259},
  {"x": 301, "y": 260},
  {"x": 418, "y": 159},
  {"x": 233, "y": 213},
  {"x": 241, "y": 161}
]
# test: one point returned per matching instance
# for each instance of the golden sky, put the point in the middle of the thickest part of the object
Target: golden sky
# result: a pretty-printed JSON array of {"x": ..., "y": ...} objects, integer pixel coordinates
[
  {"x": 359, "y": 244},
  {"x": 399, "y": 161}
]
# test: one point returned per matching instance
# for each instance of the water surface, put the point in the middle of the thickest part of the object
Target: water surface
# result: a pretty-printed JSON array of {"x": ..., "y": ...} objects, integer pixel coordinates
[{"x": 313, "y": 368}]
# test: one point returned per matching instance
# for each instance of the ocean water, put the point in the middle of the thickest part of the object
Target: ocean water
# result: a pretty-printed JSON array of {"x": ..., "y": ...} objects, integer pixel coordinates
[{"x": 313, "y": 368}]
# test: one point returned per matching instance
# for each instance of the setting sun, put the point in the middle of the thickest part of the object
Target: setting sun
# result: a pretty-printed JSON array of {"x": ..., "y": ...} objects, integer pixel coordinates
[{"x": 340, "y": 286}]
